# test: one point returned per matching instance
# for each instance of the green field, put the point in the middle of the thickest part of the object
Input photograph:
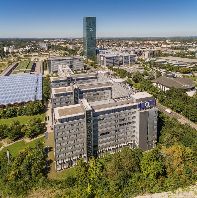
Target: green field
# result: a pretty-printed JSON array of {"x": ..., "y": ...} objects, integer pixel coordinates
[
  {"x": 23, "y": 66},
  {"x": 3, "y": 65},
  {"x": 64, "y": 173},
  {"x": 21, "y": 145},
  {"x": 21, "y": 119}
]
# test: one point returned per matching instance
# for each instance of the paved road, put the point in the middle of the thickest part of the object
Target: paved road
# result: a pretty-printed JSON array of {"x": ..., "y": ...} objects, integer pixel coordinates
[
  {"x": 9, "y": 69},
  {"x": 179, "y": 117},
  {"x": 38, "y": 68}
]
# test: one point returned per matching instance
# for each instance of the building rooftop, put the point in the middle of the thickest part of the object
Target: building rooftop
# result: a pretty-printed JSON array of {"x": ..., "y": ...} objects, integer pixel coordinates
[
  {"x": 67, "y": 111},
  {"x": 94, "y": 85},
  {"x": 141, "y": 95},
  {"x": 62, "y": 90},
  {"x": 179, "y": 83},
  {"x": 108, "y": 104},
  {"x": 84, "y": 75},
  {"x": 57, "y": 78}
]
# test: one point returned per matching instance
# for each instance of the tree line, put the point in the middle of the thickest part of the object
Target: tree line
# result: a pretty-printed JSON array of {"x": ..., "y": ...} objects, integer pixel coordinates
[
  {"x": 46, "y": 88},
  {"x": 23, "y": 172},
  {"x": 16, "y": 131},
  {"x": 131, "y": 172},
  {"x": 29, "y": 109}
]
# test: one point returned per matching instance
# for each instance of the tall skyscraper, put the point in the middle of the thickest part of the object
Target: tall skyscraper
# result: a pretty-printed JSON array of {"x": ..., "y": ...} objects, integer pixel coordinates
[{"x": 89, "y": 37}]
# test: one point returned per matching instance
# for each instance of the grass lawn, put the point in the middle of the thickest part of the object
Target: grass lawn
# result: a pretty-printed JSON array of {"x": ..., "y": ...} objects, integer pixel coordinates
[
  {"x": 64, "y": 173},
  {"x": 3, "y": 65},
  {"x": 21, "y": 145},
  {"x": 23, "y": 64},
  {"x": 21, "y": 119},
  {"x": 29, "y": 66}
]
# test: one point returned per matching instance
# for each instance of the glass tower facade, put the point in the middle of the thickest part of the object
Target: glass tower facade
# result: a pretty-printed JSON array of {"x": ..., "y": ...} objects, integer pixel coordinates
[{"x": 89, "y": 37}]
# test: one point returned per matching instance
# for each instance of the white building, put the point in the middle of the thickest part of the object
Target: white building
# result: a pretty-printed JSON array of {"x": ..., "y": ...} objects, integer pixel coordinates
[{"x": 107, "y": 58}]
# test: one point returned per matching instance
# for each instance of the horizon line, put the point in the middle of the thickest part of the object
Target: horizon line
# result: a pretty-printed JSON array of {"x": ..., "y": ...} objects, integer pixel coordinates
[{"x": 101, "y": 37}]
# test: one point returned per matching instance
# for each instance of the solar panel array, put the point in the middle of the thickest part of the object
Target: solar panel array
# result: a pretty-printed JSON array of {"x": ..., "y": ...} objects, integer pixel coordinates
[{"x": 20, "y": 88}]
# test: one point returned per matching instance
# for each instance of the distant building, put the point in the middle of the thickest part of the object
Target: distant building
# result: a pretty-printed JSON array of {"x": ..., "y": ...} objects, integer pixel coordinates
[
  {"x": 75, "y": 63},
  {"x": 149, "y": 53},
  {"x": 89, "y": 37},
  {"x": 9, "y": 49},
  {"x": 165, "y": 83},
  {"x": 6, "y": 49},
  {"x": 116, "y": 59},
  {"x": 44, "y": 46},
  {"x": 95, "y": 128}
]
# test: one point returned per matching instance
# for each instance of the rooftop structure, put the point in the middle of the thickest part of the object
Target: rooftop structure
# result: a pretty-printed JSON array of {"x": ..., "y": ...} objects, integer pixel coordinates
[
  {"x": 140, "y": 96},
  {"x": 20, "y": 88},
  {"x": 94, "y": 85},
  {"x": 66, "y": 111}
]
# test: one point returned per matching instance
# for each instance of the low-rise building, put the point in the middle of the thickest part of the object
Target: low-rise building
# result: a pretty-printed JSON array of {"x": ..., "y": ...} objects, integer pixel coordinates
[
  {"x": 165, "y": 83},
  {"x": 106, "y": 59}
]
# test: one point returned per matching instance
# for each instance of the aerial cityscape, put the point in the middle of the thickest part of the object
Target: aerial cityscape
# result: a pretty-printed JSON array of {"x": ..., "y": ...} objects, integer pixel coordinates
[{"x": 104, "y": 105}]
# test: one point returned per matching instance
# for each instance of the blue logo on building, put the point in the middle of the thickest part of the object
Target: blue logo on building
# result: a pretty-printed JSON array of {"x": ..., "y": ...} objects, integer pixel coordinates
[{"x": 146, "y": 105}]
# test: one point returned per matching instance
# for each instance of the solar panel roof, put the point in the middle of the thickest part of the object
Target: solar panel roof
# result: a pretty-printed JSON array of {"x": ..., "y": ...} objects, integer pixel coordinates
[{"x": 20, "y": 88}]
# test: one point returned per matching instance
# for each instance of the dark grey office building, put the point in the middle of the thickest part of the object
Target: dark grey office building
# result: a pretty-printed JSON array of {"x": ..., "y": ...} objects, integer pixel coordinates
[
  {"x": 97, "y": 128},
  {"x": 89, "y": 37}
]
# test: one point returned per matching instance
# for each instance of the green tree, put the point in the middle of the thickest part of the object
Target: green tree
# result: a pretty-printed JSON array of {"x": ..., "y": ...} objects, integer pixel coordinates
[
  {"x": 33, "y": 128},
  {"x": 24, "y": 172},
  {"x": 15, "y": 132},
  {"x": 152, "y": 165}
]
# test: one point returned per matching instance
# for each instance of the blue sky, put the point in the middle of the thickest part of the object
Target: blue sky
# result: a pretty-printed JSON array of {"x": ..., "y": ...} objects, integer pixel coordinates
[{"x": 122, "y": 18}]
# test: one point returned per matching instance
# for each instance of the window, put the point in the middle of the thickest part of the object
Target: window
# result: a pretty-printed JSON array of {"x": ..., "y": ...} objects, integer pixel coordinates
[{"x": 106, "y": 133}]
